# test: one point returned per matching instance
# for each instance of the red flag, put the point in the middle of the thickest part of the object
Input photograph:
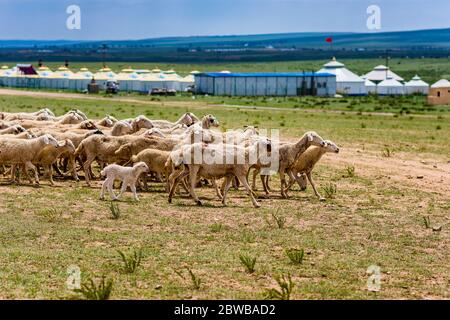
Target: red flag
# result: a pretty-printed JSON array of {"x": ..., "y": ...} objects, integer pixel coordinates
[{"x": 329, "y": 40}]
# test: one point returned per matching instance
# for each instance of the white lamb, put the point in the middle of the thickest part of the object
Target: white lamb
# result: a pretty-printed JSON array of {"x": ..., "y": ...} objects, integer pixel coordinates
[{"x": 128, "y": 176}]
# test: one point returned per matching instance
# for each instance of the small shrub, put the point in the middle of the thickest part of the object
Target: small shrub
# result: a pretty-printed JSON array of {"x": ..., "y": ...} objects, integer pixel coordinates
[
  {"x": 92, "y": 291},
  {"x": 50, "y": 214},
  {"x": 115, "y": 211},
  {"x": 280, "y": 220},
  {"x": 295, "y": 255},
  {"x": 438, "y": 127},
  {"x": 387, "y": 153},
  {"x": 216, "y": 227},
  {"x": 330, "y": 190},
  {"x": 427, "y": 222},
  {"x": 131, "y": 263},
  {"x": 363, "y": 126},
  {"x": 196, "y": 281},
  {"x": 284, "y": 293},
  {"x": 248, "y": 262},
  {"x": 350, "y": 171}
]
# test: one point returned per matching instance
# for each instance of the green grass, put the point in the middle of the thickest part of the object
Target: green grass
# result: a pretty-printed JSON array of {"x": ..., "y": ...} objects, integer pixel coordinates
[{"x": 373, "y": 219}]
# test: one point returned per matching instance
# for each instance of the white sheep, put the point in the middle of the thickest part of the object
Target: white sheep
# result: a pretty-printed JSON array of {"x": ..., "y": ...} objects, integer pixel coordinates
[
  {"x": 128, "y": 176},
  {"x": 305, "y": 163}
]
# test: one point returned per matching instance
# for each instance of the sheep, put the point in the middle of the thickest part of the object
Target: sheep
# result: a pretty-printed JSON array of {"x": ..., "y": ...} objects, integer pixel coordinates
[
  {"x": 15, "y": 129},
  {"x": 305, "y": 163},
  {"x": 127, "y": 150},
  {"x": 156, "y": 161},
  {"x": 185, "y": 119},
  {"x": 128, "y": 176},
  {"x": 289, "y": 152},
  {"x": 121, "y": 128},
  {"x": 49, "y": 154},
  {"x": 23, "y": 135},
  {"x": 26, "y": 115},
  {"x": 107, "y": 122},
  {"x": 188, "y": 156},
  {"x": 24, "y": 151},
  {"x": 102, "y": 149},
  {"x": 207, "y": 122}
]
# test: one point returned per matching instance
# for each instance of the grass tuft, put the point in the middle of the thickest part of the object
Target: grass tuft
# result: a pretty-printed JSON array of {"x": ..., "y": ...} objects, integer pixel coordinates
[
  {"x": 330, "y": 190},
  {"x": 196, "y": 281},
  {"x": 295, "y": 255},
  {"x": 285, "y": 288},
  {"x": 279, "y": 219},
  {"x": 248, "y": 262},
  {"x": 132, "y": 262},
  {"x": 115, "y": 211},
  {"x": 93, "y": 291}
]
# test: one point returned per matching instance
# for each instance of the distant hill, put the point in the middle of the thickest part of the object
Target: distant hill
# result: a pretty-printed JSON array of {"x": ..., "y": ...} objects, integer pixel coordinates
[{"x": 436, "y": 38}]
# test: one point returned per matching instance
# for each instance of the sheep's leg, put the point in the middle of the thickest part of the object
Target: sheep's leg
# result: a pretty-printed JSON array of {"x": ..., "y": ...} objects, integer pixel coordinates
[
  {"x": 30, "y": 166},
  {"x": 244, "y": 181},
  {"x": 73, "y": 169},
  {"x": 109, "y": 184},
  {"x": 133, "y": 189},
  {"x": 13, "y": 174},
  {"x": 227, "y": 186},
  {"x": 48, "y": 172},
  {"x": 283, "y": 183},
  {"x": 308, "y": 174},
  {"x": 255, "y": 174},
  {"x": 236, "y": 183},
  {"x": 265, "y": 181},
  {"x": 87, "y": 169},
  {"x": 291, "y": 181},
  {"x": 122, "y": 189},
  {"x": 179, "y": 177},
  {"x": 193, "y": 182},
  {"x": 267, "y": 184},
  {"x": 104, "y": 186},
  {"x": 218, "y": 193}
]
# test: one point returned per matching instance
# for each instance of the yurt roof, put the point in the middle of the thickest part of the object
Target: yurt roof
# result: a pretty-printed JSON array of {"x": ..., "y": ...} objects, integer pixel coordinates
[
  {"x": 390, "y": 82},
  {"x": 225, "y": 71},
  {"x": 5, "y": 68},
  {"x": 171, "y": 71},
  {"x": 333, "y": 64},
  {"x": 128, "y": 76},
  {"x": 84, "y": 69},
  {"x": 127, "y": 70},
  {"x": 380, "y": 73},
  {"x": 195, "y": 72},
  {"x": 342, "y": 74},
  {"x": 156, "y": 70},
  {"x": 416, "y": 82},
  {"x": 443, "y": 83}
]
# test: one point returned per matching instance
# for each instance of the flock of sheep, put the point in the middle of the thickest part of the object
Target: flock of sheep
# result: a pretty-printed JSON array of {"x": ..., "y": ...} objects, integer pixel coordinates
[{"x": 138, "y": 149}]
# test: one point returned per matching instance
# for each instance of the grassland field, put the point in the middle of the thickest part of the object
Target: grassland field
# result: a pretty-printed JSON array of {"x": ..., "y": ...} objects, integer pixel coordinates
[{"x": 391, "y": 176}]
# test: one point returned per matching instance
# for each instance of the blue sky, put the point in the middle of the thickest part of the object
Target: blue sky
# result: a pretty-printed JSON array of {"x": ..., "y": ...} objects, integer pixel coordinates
[{"x": 138, "y": 19}]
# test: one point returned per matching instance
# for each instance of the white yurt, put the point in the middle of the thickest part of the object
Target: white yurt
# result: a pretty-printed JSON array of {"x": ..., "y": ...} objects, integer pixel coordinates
[
  {"x": 390, "y": 87},
  {"x": 45, "y": 74},
  {"x": 129, "y": 80},
  {"x": 153, "y": 81},
  {"x": 172, "y": 80},
  {"x": 60, "y": 78},
  {"x": 381, "y": 73},
  {"x": 371, "y": 87},
  {"x": 443, "y": 83},
  {"x": 417, "y": 86},
  {"x": 79, "y": 81},
  {"x": 5, "y": 72},
  {"x": 346, "y": 81},
  {"x": 103, "y": 75},
  {"x": 8, "y": 76}
]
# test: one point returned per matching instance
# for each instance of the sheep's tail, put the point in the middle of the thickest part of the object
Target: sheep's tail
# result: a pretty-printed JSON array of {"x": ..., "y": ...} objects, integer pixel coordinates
[
  {"x": 79, "y": 150},
  {"x": 103, "y": 173}
]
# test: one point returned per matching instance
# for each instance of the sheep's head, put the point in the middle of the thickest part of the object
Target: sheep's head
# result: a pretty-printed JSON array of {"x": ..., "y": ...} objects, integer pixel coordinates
[
  {"x": 50, "y": 140},
  {"x": 154, "y": 132},
  {"x": 252, "y": 129},
  {"x": 2, "y": 115},
  {"x": 88, "y": 125},
  {"x": 141, "y": 167},
  {"x": 264, "y": 144},
  {"x": 211, "y": 120},
  {"x": 314, "y": 139},
  {"x": 143, "y": 122},
  {"x": 43, "y": 117},
  {"x": 331, "y": 147},
  {"x": 20, "y": 129}
]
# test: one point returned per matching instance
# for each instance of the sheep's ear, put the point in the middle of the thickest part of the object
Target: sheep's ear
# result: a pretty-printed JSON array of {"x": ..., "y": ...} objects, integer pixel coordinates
[
  {"x": 46, "y": 140},
  {"x": 310, "y": 137}
]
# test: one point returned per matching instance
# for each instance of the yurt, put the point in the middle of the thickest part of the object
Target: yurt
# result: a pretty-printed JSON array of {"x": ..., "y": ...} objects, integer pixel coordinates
[
  {"x": 417, "y": 86},
  {"x": 8, "y": 76},
  {"x": 103, "y": 75},
  {"x": 60, "y": 78},
  {"x": 371, "y": 87},
  {"x": 85, "y": 73},
  {"x": 79, "y": 81},
  {"x": 381, "y": 73},
  {"x": 439, "y": 93},
  {"x": 390, "y": 87},
  {"x": 45, "y": 74},
  {"x": 347, "y": 82},
  {"x": 172, "y": 80},
  {"x": 129, "y": 80},
  {"x": 5, "y": 72},
  {"x": 153, "y": 81}
]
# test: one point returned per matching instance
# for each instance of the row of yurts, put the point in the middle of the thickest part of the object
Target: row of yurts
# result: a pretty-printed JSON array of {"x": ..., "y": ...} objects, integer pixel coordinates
[
  {"x": 380, "y": 80},
  {"x": 64, "y": 78}
]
